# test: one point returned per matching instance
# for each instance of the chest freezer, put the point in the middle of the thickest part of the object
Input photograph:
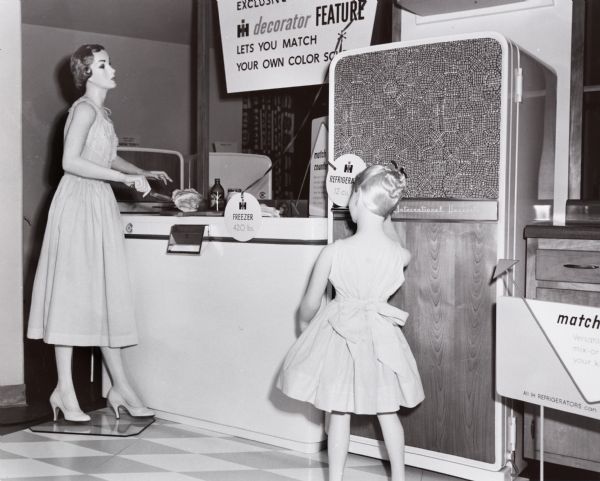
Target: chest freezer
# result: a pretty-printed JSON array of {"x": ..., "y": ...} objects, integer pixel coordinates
[{"x": 214, "y": 326}]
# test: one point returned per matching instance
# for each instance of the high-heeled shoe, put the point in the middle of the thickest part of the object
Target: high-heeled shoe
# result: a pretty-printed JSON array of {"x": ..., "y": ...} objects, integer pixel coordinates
[
  {"x": 57, "y": 404},
  {"x": 115, "y": 401}
]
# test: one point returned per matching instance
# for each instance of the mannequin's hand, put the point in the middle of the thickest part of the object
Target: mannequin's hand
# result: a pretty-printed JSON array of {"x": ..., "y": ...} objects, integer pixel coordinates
[
  {"x": 139, "y": 183},
  {"x": 158, "y": 175}
]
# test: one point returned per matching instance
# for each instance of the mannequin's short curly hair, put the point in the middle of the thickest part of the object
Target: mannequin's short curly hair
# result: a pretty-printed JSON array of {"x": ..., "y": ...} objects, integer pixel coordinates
[{"x": 81, "y": 61}]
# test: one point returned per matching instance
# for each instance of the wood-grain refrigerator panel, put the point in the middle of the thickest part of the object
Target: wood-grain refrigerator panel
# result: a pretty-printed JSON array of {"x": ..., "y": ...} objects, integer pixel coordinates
[{"x": 450, "y": 300}]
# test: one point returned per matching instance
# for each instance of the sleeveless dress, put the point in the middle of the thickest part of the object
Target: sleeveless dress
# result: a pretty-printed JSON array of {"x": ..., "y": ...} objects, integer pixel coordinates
[
  {"x": 353, "y": 356},
  {"x": 81, "y": 293}
]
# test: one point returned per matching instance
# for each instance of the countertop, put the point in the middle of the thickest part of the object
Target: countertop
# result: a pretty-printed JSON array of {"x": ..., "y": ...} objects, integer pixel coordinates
[{"x": 569, "y": 231}]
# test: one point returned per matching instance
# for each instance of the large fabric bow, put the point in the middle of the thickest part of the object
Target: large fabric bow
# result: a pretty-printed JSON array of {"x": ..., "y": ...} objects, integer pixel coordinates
[{"x": 360, "y": 320}]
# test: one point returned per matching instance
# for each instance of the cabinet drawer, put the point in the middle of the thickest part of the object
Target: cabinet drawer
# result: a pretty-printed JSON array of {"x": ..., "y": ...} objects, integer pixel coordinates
[{"x": 567, "y": 266}]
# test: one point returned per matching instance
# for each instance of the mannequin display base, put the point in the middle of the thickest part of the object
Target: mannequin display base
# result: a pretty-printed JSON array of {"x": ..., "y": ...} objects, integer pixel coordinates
[{"x": 102, "y": 423}]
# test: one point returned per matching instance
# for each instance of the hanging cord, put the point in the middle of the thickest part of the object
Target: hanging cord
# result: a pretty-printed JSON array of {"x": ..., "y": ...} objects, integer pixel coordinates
[{"x": 337, "y": 49}]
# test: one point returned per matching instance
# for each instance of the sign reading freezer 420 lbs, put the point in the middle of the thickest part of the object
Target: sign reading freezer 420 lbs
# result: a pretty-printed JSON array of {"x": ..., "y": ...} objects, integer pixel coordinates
[
  {"x": 243, "y": 216},
  {"x": 270, "y": 44}
]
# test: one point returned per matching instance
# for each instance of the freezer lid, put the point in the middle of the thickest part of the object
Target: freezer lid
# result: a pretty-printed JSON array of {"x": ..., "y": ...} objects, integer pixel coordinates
[{"x": 310, "y": 230}]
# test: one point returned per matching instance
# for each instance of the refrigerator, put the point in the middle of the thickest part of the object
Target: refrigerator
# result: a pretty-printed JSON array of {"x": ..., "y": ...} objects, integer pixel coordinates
[{"x": 471, "y": 119}]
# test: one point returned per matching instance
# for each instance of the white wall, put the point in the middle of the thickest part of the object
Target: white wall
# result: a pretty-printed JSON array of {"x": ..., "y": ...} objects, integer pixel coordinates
[
  {"x": 541, "y": 28},
  {"x": 153, "y": 101},
  {"x": 11, "y": 280}
]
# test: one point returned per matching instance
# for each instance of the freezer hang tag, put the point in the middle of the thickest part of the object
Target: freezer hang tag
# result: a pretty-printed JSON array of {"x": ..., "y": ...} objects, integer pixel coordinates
[
  {"x": 243, "y": 216},
  {"x": 340, "y": 178}
]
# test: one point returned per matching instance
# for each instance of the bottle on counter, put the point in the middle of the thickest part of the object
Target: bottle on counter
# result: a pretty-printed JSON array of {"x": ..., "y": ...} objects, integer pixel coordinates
[{"x": 217, "y": 196}]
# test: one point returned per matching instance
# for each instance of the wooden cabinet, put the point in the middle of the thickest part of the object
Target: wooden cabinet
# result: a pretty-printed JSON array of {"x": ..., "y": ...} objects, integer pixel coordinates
[
  {"x": 563, "y": 265},
  {"x": 450, "y": 300}
]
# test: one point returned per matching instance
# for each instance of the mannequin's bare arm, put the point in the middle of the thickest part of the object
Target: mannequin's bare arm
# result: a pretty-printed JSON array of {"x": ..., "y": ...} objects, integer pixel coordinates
[
  {"x": 316, "y": 286},
  {"x": 126, "y": 167}
]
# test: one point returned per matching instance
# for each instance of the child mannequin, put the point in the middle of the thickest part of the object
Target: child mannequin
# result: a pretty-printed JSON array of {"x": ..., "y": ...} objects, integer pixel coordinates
[
  {"x": 81, "y": 294},
  {"x": 353, "y": 357}
]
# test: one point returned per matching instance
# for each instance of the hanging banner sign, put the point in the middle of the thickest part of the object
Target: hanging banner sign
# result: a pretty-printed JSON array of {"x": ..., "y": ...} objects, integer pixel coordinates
[
  {"x": 548, "y": 353},
  {"x": 243, "y": 216},
  {"x": 269, "y": 44},
  {"x": 340, "y": 178}
]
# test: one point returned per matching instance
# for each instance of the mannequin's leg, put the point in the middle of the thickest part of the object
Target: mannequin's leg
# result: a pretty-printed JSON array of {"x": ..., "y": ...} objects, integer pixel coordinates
[
  {"x": 114, "y": 364},
  {"x": 337, "y": 444},
  {"x": 64, "y": 396},
  {"x": 393, "y": 436}
]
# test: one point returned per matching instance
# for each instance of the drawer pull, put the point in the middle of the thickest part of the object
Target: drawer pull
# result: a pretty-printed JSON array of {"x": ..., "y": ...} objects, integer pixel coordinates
[{"x": 582, "y": 266}]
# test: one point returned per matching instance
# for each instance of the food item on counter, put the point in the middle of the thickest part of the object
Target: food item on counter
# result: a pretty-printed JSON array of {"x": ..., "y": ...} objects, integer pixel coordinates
[
  {"x": 186, "y": 200},
  {"x": 268, "y": 211}
]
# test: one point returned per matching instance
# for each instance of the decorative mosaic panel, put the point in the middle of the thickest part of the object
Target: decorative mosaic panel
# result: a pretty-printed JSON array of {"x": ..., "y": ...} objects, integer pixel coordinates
[{"x": 434, "y": 109}]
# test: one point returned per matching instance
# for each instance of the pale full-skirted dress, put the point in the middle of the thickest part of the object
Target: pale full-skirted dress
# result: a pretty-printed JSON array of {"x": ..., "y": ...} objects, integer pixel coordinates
[
  {"x": 81, "y": 293},
  {"x": 353, "y": 356}
]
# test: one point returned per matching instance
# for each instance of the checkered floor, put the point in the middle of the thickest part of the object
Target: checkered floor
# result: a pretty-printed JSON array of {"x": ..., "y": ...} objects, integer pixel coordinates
[{"x": 168, "y": 451}]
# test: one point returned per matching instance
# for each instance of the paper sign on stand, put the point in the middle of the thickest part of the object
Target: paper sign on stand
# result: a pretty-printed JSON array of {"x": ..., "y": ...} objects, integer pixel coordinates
[
  {"x": 243, "y": 216},
  {"x": 548, "y": 353},
  {"x": 271, "y": 44},
  {"x": 317, "y": 196},
  {"x": 340, "y": 177}
]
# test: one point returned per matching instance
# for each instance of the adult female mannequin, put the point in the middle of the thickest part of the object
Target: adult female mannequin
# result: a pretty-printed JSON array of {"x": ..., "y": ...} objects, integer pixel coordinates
[{"x": 81, "y": 294}]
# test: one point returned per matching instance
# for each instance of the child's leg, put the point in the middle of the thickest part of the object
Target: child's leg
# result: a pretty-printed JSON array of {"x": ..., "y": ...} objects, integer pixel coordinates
[
  {"x": 338, "y": 439},
  {"x": 393, "y": 436}
]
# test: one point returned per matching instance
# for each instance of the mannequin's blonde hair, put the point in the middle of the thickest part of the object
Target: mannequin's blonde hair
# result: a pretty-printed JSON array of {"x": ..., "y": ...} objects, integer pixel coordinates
[{"x": 380, "y": 188}]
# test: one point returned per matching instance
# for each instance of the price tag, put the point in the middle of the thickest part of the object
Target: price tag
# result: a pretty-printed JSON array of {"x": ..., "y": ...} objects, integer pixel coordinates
[
  {"x": 340, "y": 178},
  {"x": 243, "y": 216}
]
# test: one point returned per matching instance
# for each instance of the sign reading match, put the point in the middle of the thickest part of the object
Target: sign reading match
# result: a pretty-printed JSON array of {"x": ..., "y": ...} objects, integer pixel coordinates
[
  {"x": 269, "y": 44},
  {"x": 548, "y": 353}
]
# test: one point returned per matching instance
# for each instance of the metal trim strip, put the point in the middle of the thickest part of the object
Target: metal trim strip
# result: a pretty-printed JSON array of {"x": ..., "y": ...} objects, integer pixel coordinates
[{"x": 270, "y": 241}]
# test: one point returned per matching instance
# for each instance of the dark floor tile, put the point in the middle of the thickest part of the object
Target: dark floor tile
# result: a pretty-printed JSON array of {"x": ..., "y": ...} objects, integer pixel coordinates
[
  {"x": 101, "y": 465},
  {"x": 267, "y": 460},
  {"x": 254, "y": 475}
]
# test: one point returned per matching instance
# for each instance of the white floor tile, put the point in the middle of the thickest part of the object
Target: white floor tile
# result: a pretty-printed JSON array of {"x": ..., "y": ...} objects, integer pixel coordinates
[
  {"x": 49, "y": 449},
  {"x": 353, "y": 460},
  {"x": 320, "y": 474},
  {"x": 209, "y": 445},
  {"x": 145, "y": 477},
  {"x": 185, "y": 462},
  {"x": 81, "y": 437},
  {"x": 199, "y": 430},
  {"x": 315, "y": 474},
  {"x": 432, "y": 476},
  {"x": 21, "y": 468},
  {"x": 319, "y": 456},
  {"x": 356, "y": 460}
]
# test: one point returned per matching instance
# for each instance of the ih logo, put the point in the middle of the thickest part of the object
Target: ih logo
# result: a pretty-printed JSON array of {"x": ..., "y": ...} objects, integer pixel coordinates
[
  {"x": 242, "y": 205},
  {"x": 243, "y": 29},
  {"x": 348, "y": 168}
]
